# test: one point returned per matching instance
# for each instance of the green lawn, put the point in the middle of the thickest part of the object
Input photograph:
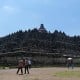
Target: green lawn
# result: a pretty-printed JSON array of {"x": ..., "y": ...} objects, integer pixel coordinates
[{"x": 68, "y": 74}]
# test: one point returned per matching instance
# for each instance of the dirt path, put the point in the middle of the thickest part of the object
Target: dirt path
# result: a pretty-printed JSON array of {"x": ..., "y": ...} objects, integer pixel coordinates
[
  {"x": 35, "y": 74},
  {"x": 9, "y": 74}
]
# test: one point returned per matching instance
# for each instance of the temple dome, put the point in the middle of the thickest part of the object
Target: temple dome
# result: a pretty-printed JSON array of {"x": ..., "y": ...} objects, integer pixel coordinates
[{"x": 42, "y": 28}]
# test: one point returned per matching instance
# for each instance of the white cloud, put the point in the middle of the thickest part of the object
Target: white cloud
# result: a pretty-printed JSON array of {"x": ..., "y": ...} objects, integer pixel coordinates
[{"x": 8, "y": 9}]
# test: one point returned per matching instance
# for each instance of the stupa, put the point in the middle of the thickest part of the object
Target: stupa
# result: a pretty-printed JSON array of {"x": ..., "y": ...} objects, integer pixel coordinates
[{"x": 42, "y": 29}]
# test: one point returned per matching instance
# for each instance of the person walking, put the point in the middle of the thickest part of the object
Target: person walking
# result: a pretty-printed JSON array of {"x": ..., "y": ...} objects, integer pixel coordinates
[
  {"x": 20, "y": 66},
  {"x": 26, "y": 66},
  {"x": 70, "y": 62},
  {"x": 29, "y": 63}
]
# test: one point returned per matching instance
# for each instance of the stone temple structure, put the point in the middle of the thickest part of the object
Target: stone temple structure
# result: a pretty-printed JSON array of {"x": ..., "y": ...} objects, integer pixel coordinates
[{"x": 42, "y": 29}]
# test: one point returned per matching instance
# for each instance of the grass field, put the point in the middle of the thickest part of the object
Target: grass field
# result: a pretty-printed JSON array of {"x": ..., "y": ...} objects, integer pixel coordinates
[{"x": 68, "y": 74}]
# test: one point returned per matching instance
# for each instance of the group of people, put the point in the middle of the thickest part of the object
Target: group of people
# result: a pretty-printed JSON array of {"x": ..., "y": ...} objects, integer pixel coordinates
[{"x": 24, "y": 63}]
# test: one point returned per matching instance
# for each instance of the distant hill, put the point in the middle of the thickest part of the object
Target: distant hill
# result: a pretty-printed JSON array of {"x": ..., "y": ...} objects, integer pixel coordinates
[{"x": 40, "y": 39}]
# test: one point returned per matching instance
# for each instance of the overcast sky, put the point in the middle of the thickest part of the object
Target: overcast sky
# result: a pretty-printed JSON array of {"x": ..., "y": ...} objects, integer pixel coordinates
[{"x": 63, "y": 15}]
